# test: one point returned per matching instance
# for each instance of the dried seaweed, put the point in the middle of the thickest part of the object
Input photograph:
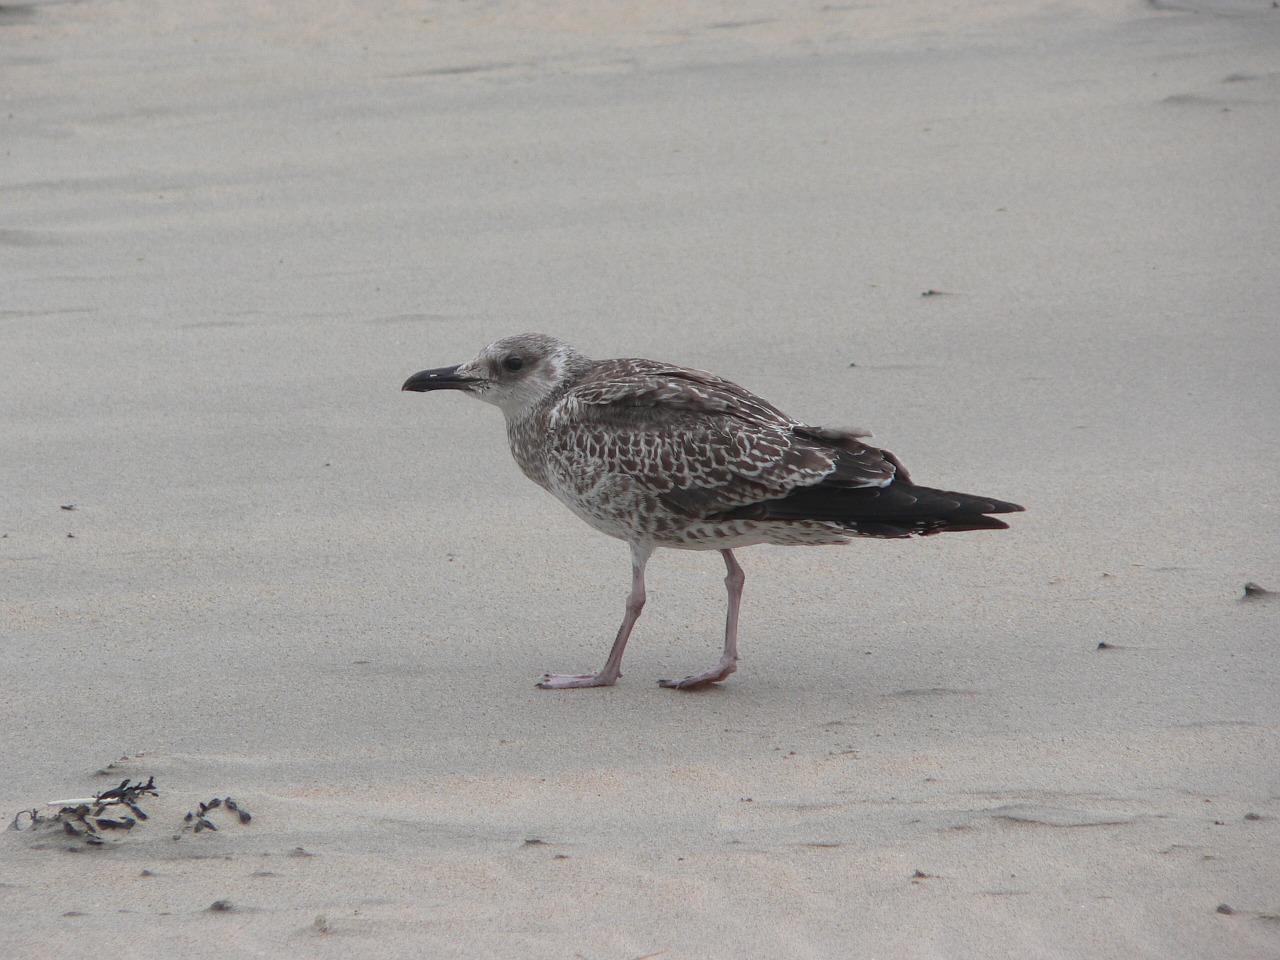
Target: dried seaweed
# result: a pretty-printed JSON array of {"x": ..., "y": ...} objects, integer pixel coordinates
[
  {"x": 89, "y": 818},
  {"x": 84, "y": 818},
  {"x": 197, "y": 821}
]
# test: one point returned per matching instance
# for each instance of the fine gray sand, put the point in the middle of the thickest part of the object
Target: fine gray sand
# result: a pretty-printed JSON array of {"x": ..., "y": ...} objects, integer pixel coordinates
[{"x": 229, "y": 231}]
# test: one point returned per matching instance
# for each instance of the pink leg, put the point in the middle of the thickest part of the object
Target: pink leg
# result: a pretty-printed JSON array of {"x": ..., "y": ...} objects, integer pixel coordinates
[
  {"x": 612, "y": 670},
  {"x": 733, "y": 581}
]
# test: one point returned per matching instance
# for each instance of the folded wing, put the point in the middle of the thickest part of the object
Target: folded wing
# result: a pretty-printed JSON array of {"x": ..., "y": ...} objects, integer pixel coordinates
[{"x": 705, "y": 446}]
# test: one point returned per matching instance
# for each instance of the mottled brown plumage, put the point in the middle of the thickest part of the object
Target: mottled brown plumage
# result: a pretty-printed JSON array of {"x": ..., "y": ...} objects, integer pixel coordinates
[{"x": 666, "y": 456}]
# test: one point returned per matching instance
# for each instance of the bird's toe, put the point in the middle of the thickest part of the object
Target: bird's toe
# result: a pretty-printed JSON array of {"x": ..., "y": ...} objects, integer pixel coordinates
[{"x": 573, "y": 681}]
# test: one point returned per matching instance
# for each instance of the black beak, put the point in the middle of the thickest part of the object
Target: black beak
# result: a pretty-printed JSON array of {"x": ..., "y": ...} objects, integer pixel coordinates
[{"x": 446, "y": 378}]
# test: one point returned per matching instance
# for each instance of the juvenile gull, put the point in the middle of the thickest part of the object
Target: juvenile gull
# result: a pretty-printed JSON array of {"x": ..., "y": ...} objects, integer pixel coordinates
[{"x": 665, "y": 456}]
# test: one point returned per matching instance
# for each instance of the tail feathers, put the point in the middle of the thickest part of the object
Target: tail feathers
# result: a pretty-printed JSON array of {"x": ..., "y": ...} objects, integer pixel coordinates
[
  {"x": 898, "y": 510},
  {"x": 929, "y": 498}
]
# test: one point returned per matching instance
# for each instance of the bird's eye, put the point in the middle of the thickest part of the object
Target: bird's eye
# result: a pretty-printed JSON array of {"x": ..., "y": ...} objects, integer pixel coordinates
[{"x": 513, "y": 363}]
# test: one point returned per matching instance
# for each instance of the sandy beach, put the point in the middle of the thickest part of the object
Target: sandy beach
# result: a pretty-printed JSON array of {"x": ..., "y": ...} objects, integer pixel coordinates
[{"x": 1032, "y": 246}]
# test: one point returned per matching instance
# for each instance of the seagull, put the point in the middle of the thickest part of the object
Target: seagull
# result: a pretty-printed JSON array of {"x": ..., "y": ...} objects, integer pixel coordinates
[{"x": 660, "y": 455}]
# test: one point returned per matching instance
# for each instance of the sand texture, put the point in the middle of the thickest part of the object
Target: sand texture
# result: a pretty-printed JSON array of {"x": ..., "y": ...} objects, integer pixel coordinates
[{"x": 1034, "y": 246}]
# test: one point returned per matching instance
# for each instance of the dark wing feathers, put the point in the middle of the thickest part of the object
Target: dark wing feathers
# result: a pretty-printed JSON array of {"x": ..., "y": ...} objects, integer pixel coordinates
[
  {"x": 713, "y": 450},
  {"x": 898, "y": 510},
  {"x": 875, "y": 461}
]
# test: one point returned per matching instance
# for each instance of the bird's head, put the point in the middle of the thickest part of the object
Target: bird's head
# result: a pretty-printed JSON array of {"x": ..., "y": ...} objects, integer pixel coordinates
[{"x": 515, "y": 374}]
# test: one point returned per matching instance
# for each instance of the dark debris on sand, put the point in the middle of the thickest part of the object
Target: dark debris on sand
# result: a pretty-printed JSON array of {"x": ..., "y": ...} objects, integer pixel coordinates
[
  {"x": 86, "y": 820},
  {"x": 197, "y": 819},
  {"x": 90, "y": 819}
]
